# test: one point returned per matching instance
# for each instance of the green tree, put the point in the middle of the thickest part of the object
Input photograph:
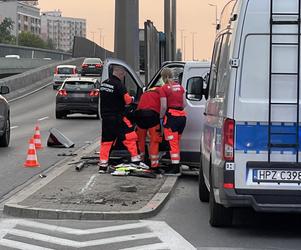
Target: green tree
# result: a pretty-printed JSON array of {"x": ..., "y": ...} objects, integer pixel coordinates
[
  {"x": 31, "y": 40},
  {"x": 6, "y": 28}
]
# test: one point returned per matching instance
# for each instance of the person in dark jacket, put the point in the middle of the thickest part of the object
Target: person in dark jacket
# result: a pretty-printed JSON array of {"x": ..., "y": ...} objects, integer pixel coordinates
[{"x": 113, "y": 98}]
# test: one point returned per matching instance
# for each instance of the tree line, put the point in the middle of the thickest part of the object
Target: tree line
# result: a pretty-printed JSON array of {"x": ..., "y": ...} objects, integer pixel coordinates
[{"x": 24, "y": 38}]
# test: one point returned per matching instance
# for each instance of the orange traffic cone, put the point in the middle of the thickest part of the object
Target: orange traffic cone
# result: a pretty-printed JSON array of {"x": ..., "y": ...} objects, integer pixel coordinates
[
  {"x": 31, "y": 160},
  {"x": 37, "y": 137}
]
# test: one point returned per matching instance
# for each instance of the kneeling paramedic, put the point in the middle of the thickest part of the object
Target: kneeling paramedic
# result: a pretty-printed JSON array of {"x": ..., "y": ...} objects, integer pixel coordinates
[
  {"x": 173, "y": 94},
  {"x": 147, "y": 117},
  {"x": 113, "y": 98}
]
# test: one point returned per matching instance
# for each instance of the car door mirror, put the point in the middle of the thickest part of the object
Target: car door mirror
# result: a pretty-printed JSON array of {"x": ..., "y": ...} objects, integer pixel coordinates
[
  {"x": 194, "y": 90},
  {"x": 206, "y": 87},
  {"x": 4, "y": 90}
]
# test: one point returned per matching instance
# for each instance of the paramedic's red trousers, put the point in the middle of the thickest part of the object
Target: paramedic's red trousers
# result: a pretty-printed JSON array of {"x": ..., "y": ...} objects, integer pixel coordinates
[
  {"x": 114, "y": 127},
  {"x": 155, "y": 139},
  {"x": 149, "y": 121},
  {"x": 174, "y": 124}
]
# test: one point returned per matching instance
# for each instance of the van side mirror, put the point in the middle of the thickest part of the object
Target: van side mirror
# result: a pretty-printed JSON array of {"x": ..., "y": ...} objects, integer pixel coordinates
[
  {"x": 194, "y": 90},
  {"x": 4, "y": 90},
  {"x": 206, "y": 87}
]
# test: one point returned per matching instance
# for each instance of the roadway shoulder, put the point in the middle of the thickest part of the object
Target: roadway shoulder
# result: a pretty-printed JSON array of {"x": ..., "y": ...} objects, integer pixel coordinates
[{"x": 87, "y": 195}]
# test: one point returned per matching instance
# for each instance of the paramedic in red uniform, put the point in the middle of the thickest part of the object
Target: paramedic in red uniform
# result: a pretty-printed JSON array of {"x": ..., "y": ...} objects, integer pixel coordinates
[
  {"x": 113, "y": 98},
  {"x": 147, "y": 117},
  {"x": 173, "y": 96}
]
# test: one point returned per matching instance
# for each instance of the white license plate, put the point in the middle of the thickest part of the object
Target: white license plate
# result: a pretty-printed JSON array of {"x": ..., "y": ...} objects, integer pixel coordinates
[
  {"x": 79, "y": 95},
  {"x": 92, "y": 67},
  {"x": 276, "y": 175}
]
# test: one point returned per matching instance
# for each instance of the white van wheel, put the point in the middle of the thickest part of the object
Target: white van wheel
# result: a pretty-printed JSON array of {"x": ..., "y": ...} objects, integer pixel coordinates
[{"x": 220, "y": 216}]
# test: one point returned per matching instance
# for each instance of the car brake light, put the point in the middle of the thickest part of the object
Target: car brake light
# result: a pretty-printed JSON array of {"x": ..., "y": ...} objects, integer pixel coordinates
[
  {"x": 62, "y": 92},
  {"x": 228, "y": 140},
  {"x": 84, "y": 65},
  {"x": 56, "y": 70},
  {"x": 98, "y": 65},
  {"x": 94, "y": 92},
  {"x": 74, "y": 71},
  {"x": 228, "y": 185}
]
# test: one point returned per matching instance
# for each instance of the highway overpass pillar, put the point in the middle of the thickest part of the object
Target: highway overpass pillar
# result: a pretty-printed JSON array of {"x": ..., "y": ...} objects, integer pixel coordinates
[
  {"x": 127, "y": 31},
  {"x": 170, "y": 28}
]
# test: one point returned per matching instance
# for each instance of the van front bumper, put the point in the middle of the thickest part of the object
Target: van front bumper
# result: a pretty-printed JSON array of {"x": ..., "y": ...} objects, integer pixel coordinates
[{"x": 262, "y": 200}]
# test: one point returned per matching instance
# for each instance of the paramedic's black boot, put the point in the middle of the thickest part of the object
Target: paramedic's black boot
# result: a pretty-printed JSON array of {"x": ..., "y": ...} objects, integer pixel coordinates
[
  {"x": 174, "y": 169},
  {"x": 103, "y": 167},
  {"x": 157, "y": 170}
]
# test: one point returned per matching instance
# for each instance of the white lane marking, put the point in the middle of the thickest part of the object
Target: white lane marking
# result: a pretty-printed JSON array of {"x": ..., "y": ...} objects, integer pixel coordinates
[
  {"x": 89, "y": 184},
  {"x": 13, "y": 127},
  {"x": 72, "y": 243},
  {"x": 156, "y": 246},
  {"x": 43, "y": 118},
  {"x": 166, "y": 234},
  {"x": 7, "y": 225},
  {"x": 68, "y": 230},
  {"x": 20, "y": 245}
]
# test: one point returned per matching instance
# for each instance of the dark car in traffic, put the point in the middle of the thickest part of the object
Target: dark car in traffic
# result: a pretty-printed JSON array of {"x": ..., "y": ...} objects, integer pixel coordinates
[
  {"x": 4, "y": 118},
  {"x": 92, "y": 66},
  {"x": 77, "y": 95}
]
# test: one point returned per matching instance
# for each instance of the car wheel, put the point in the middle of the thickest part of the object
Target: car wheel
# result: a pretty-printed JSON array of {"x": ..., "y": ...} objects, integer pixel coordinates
[
  {"x": 59, "y": 114},
  {"x": 220, "y": 216},
  {"x": 203, "y": 191},
  {"x": 5, "y": 138}
]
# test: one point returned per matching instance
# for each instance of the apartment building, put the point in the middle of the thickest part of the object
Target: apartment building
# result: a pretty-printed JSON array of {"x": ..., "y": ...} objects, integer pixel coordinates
[
  {"x": 61, "y": 30},
  {"x": 26, "y": 16}
]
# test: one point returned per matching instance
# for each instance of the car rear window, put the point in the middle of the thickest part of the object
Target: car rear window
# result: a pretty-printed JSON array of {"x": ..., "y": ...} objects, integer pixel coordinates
[
  {"x": 74, "y": 85},
  {"x": 92, "y": 60},
  {"x": 65, "y": 71}
]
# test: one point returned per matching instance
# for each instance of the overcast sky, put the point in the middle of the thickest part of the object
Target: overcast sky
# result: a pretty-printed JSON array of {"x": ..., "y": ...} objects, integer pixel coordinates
[{"x": 192, "y": 16}]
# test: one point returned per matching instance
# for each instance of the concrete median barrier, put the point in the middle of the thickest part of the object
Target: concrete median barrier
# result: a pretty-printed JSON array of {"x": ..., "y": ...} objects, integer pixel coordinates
[{"x": 33, "y": 79}]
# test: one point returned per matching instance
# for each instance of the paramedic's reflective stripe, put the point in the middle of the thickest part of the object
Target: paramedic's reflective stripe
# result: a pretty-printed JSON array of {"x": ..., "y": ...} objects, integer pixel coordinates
[{"x": 254, "y": 136}]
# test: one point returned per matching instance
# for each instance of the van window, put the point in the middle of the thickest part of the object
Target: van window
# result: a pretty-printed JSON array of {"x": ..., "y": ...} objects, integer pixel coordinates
[
  {"x": 223, "y": 68},
  {"x": 214, "y": 67},
  {"x": 128, "y": 81},
  {"x": 177, "y": 72}
]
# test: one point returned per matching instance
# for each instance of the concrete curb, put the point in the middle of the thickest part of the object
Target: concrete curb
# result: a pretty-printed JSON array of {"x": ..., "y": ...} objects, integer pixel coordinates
[{"x": 12, "y": 207}]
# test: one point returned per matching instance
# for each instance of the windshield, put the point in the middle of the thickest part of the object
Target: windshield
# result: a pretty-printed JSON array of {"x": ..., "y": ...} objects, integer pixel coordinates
[
  {"x": 65, "y": 71},
  {"x": 93, "y": 60}
]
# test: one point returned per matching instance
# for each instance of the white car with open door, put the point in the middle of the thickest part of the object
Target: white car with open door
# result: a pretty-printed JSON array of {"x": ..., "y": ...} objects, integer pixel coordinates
[{"x": 193, "y": 78}]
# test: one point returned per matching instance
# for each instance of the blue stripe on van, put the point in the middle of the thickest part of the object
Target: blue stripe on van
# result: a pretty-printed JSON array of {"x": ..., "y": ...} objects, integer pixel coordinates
[{"x": 254, "y": 136}]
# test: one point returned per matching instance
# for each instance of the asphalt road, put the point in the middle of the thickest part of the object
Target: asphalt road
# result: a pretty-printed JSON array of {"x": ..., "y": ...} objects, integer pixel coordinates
[
  {"x": 24, "y": 115},
  {"x": 184, "y": 217},
  {"x": 190, "y": 218}
]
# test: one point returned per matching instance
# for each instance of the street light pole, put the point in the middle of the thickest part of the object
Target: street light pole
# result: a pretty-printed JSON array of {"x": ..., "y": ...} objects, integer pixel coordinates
[
  {"x": 184, "y": 52},
  {"x": 193, "y": 33},
  {"x": 100, "y": 35},
  {"x": 93, "y": 32},
  {"x": 182, "y": 30},
  {"x": 103, "y": 41}
]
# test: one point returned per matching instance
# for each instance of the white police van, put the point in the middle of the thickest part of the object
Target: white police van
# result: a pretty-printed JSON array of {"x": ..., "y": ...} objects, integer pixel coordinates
[{"x": 250, "y": 146}]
